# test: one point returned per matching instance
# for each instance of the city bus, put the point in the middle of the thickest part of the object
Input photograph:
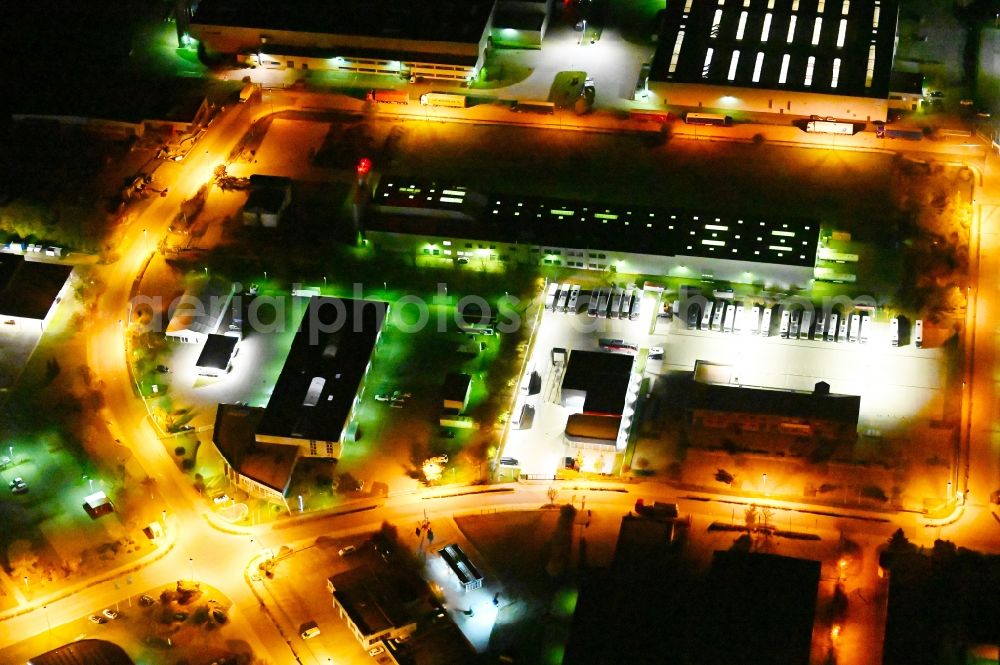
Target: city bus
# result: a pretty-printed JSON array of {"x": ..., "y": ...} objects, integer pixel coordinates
[
  {"x": 626, "y": 304},
  {"x": 616, "y": 303},
  {"x": 706, "y": 317},
  {"x": 852, "y": 335},
  {"x": 717, "y": 316},
  {"x": 729, "y": 318},
  {"x": 636, "y": 308},
  {"x": 831, "y": 332},
  {"x": 574, "y": 296},
  {"x": 533, "y": 106},
  {"x": 805, "y": 325},
  {"x": 592, "y": 299},
  {"x": 708, "y": 119},
  {"x": 602, "y": 303},
  {"x": 865, "y": 325},
  {"x": 754, "y": 322},
  {"x": 765, "y": 323},
  {"x": 563, "y": 298}
]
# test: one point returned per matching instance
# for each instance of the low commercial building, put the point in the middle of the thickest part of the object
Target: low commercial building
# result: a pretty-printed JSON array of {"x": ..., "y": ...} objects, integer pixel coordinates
[
  {"x": 455, "y": 392},
  {"x": 598, "y": 389},
  {"x": 217, "y": 355},
  {"x": 322, "y": 381},
  {"x": 782, "y": 593},
  {"x": 84, "y": 652},
  {"x": 262, "y": 470},
  {"x": 791, "y": 57},
  {"x": 445, "y": 39},
  {"x": 739, "y": 409},
  {"x": 468, "y": 576},
  {"x": 488, "y": 231},
  {"x": 520, "y": 23},
  {"x": 906, "y": 90},
  {"x": 373, "y": 608},
  {"x": 200, "y": 311},
  {"x": 269, "y": 197},
  {"x": 30, "y": 291}
]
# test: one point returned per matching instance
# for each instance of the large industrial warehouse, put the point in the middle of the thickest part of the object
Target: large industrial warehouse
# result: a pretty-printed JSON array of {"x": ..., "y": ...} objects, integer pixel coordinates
[
  {"x": 793, "y": 57},
  {"x": 452, "y": 222},
  {"x": 445, "y": 40}
]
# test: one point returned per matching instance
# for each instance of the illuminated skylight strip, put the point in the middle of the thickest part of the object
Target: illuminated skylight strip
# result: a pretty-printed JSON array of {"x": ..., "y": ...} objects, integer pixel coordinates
[
  {"x": 809, "y": 70},
  {"x": 846, "y": 7},
  {"x": 836, "y": 73},
  {"x": 783, "y": 76},
  {"x": 677, "y": 52},
  {"x": 716, "y": 227},
  {"x": 842, "y": 33},
  {"x": 733, "y": 63},
  {"x": 716, "y": 20},
  {"x": 708, "y": 63},
  {"x": 791, "y": 30},
  {"x": 757, "y": 66},
  {"x": 767, "y": 27},
  {"x": 717, "y": 243},
  {"x": 742, "y": 26},
  {"x": 817, "y": 29},
  {"x": 870, "y": 74}
]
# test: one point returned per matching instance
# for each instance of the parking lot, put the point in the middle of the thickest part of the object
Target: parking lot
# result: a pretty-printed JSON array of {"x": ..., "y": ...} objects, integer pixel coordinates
[{"x": 902, "y": 388}]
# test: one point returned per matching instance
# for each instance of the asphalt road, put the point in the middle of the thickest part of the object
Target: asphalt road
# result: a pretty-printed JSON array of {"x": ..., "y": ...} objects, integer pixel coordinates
[{"x": 205, "y": 552}]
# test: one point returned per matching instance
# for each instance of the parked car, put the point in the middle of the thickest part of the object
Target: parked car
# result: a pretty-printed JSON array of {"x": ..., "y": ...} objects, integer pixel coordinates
[
  {"x": 110, "y": 613},
  {"x": 309, "y": 630},
  {"x": 381, "y": 397},
  {"x": 18, "y": 486},
  {"x": 97, "y": 618},
  {"x": 146, "y": 600},
  {"x": 344, "y": 551},
  {"x": 508, "y": 461},
  {"x": 222, "y": 498}
]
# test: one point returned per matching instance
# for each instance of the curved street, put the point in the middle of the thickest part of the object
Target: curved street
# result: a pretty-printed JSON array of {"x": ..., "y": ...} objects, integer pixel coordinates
[{"x": 200, "y": 549}]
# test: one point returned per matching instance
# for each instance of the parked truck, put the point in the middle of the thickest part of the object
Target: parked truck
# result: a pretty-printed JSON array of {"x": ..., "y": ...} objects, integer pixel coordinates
[
  {"x": 827, "y": 127},
  {"x": 444, "y": 99},
  {"x": 389, "y": 96},
  {"x": 883, "y": 132}
]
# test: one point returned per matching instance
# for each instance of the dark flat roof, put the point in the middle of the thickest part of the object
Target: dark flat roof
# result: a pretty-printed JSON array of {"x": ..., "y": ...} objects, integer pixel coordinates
[
  {"x": 460, "y": 564},
  {"x": 357, "y": 52},
  {"x": 372, "y": 603},
  {"x": 28, "y": 289},
  {"x": 324, "y": 369},
  {"x": 217, "y": 352},
  {"x": 908, "y": 82},
  {"x": 603, "y": 376},
  {"x": 699, "y": 31},
  {"x": 417, "y": 207},
  {"x": 440, "y": 21},
  {"x": 266, "y": 199},
  {"x": 456, "y": 386},
  {"x": 601, "y": 428},
  {"x": 763, "y": 602},
  {"x": 84, "y": 652},
  {"x": 270, "y": 464},
  {"x": 738, "y": 399}
]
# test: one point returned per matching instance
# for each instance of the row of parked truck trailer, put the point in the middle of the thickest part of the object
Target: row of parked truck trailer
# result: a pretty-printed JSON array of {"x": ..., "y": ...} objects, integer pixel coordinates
[
  {"x": 794, "y": 323},
  {"x": 605, "y": 303}
]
